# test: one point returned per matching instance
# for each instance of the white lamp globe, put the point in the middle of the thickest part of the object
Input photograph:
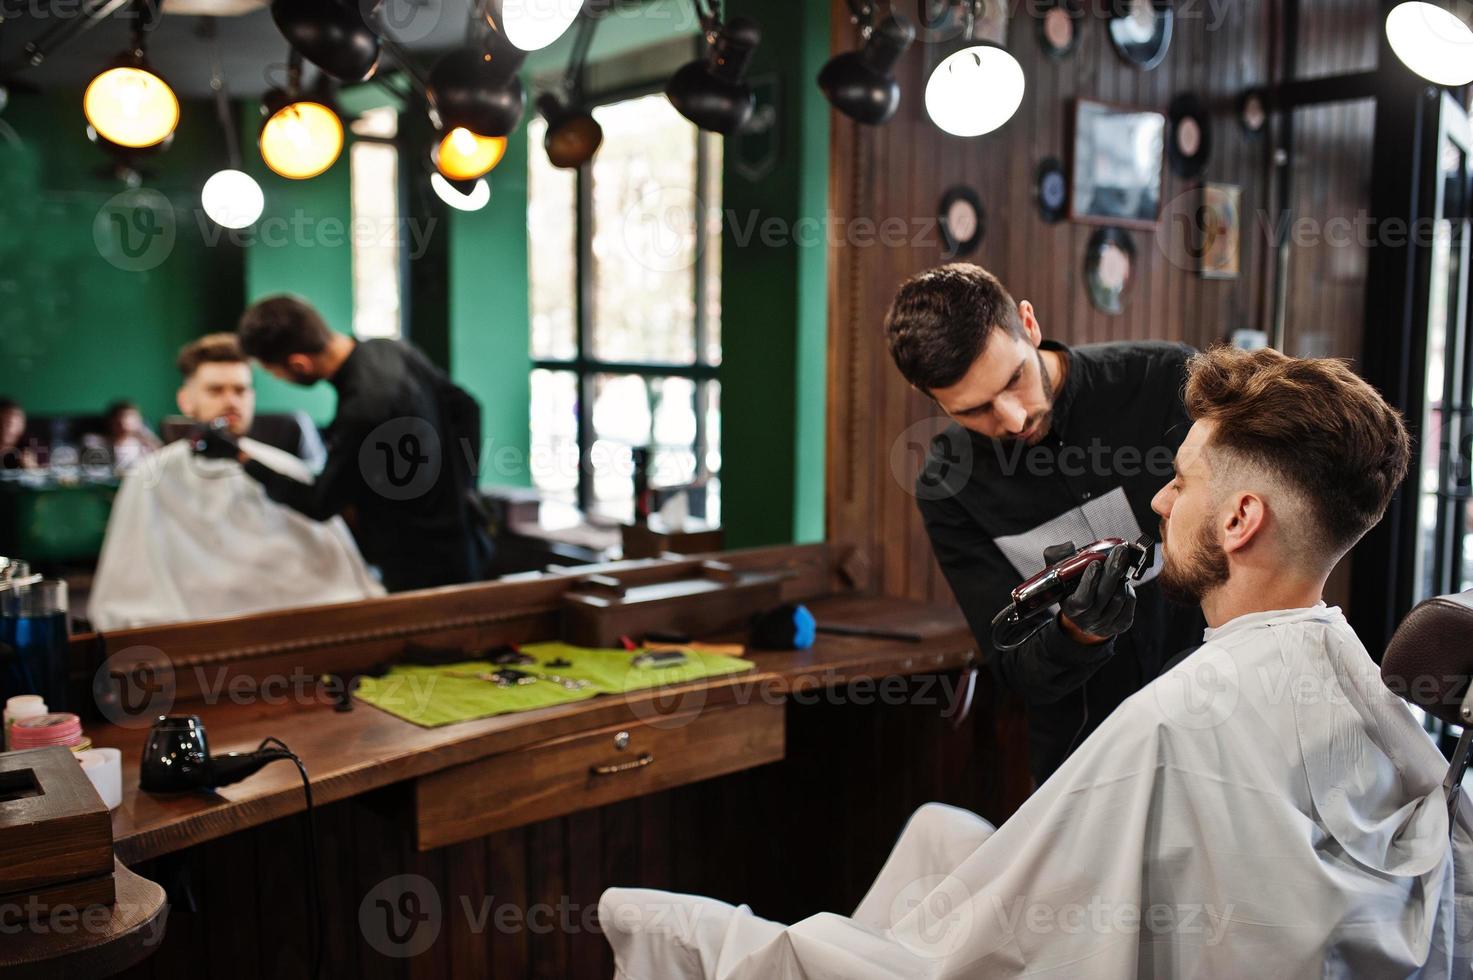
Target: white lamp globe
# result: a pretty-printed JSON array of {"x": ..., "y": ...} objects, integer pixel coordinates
[
  {"x": 534, "y": 24},
  {"x": 232, "y": 199},
  {"x": 1432, "y": 41},
  {"x": 974, "y": 90},
  {"x": 477, "y": 199}
]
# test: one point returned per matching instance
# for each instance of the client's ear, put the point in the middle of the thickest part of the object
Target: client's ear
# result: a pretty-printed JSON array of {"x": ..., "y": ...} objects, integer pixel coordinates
[
  {"x": 1244, "y": 521},
  {"x": 182, "y": 399}
]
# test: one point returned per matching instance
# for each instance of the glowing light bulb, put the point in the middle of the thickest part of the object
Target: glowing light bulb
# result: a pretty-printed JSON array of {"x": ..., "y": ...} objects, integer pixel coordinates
[
  {"x": 974, "y": 90},
  {"x": 1432, "y": 41},
  {"x": 475, "y": 200},
  {"x": 302, "y": 140},
  {"x": 232, "y": 199},
  {"x": 464, "y": 155},
  {"x": 131, "y": 106}
]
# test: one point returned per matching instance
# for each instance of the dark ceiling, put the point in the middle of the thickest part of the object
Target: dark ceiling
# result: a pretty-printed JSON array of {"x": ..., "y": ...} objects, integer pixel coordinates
[{"x": 251, "y": 49}]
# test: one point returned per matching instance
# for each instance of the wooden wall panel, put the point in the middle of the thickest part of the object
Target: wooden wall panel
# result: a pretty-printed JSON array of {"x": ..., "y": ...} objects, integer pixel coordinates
[{"x": 901, "y": 170}]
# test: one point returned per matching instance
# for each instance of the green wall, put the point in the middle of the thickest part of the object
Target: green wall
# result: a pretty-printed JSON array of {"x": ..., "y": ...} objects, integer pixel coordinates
[
  {"x": 490, "y": 324},
  {"x": 85, "y": 316},
  {"x": 774, "y": 298}
]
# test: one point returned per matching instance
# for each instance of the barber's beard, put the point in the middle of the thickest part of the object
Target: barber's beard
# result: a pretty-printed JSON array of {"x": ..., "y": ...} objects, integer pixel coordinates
[
  {"x": 1193, "y": 568},
  {"x": 1043, "y": 420}
]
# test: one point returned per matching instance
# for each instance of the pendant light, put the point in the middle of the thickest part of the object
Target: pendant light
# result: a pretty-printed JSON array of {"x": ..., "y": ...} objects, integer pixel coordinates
[
  {"x": 861, "y": 84},
  {"x": 979, "y": 86},
  {"x": 301, "y": 136},
  {"x": 532, "y": 24},
  {"x": 462, "y": 155},
  {"x": 1434, "y": 38},
  {"x": 332, "y": 34},
  {"x": 231, "y": 197},
  {"x": 712, "y": 91},
  {"x": 130, "y": 104},
  {"x": 573, "y": 135}
]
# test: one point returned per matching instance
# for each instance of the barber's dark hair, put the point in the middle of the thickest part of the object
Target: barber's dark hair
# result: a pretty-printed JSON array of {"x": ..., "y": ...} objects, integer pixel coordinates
[
  {"x": 212, "y": 348},
  {"x": 8, "y": 404},
  {"x": 279, "y": 326},
  {"x": 940, "y": 320},
  {"x": 1314, "y": 424}
]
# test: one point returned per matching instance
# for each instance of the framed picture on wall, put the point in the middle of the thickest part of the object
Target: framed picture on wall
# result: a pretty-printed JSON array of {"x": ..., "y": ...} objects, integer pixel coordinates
[
  {"x": 1119, "y": 157},
  {"x": 1221, "y": 220}
]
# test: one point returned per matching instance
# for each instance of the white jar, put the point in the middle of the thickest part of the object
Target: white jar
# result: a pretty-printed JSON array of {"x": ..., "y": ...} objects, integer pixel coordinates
[{"x": 21, "y": 706}]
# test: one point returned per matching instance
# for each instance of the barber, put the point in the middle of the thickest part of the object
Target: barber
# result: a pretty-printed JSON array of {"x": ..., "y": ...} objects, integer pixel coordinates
[
  {"x": 1050, "y": 447},
  {"x": 402, "y": 448}
]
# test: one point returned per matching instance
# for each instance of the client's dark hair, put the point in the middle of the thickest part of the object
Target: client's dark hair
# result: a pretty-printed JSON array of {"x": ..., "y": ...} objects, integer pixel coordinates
[
  {"x": 279, "y": 326},
  {"x": 940, "y": 320}
]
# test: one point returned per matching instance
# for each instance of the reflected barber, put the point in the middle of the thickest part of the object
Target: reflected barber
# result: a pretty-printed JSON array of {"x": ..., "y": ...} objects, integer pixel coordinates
[
  {"x": 1049, "y": 445},
  {"x": 401, "y": 449}
]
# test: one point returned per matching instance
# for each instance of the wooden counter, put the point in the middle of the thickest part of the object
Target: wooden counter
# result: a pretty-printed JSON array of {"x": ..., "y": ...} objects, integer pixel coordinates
[{"x": 349, "y": 753}]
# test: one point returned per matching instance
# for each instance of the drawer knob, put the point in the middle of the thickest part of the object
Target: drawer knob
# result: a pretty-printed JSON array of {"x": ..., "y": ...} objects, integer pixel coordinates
[
  {"x": 644, "y": 759},
  {"x": 621, "y": 741}
]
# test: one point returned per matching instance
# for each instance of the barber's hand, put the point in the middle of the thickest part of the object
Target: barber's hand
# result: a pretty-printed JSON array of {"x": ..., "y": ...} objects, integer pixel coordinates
[
  {"x": 216, "y": 442},
  {"x": 1103, "y": 603}
]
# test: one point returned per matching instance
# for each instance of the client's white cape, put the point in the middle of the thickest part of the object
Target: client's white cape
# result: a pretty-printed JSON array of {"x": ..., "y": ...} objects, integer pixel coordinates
[
  {"x": 1265, "y": 809},
  {"x": 194, "y": 538}
]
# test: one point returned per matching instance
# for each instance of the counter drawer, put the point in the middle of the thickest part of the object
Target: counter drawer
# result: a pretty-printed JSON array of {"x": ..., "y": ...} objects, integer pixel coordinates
[{"x": 592, "y": 768}]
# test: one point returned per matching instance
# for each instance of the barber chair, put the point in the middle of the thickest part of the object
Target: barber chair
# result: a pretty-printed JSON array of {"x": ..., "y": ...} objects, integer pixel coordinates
[{"x": 1429, "y": 662}]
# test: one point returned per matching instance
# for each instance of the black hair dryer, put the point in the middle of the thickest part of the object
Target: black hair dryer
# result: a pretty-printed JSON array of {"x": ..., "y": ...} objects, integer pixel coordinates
[{"x": 176, "y": 758}]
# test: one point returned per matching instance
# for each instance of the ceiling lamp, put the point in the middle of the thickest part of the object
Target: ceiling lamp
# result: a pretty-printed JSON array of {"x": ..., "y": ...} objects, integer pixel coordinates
[
  {"x": 231, "y": 197},
  {"x": 532, "y": 24},
  {"x": 301, "y": 136},
  {"x": 463, "y": 195},
  {"x": 573, "y": 135},
  {"x": 979, "y": 86},
  {"x": 462, "y": 155},
  {"x": 1434, "y": 39},
  {"x": 478, "y": 90},
  {"x": 129, "y": 104},
  {"x": 711, "y": 91},
  {"x": 331, "y": 34},
  {"x": 861, "y": 84}
]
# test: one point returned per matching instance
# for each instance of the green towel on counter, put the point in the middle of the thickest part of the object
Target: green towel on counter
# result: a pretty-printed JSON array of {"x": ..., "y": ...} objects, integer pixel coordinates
[{"x": 432, "y": 696}]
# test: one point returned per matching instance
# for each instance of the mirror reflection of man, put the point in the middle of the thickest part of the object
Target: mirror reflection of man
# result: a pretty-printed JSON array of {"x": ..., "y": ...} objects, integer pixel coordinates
[
  {"x": 193, "y": 538},
  {"x": 1049, "y": 445},
  {"x": 401, "y": 449}
]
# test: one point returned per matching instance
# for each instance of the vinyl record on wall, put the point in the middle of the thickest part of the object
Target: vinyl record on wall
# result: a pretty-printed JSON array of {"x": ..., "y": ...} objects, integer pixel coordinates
[
  {"x": 1060, "y": 23},
  {"x": 1189, "y": 140},
  {"x": 1253, "y": 111},
  {"x": 1141, "y": 30},
  {"x": 1052, "y": 190},
  {"x": 962, "y": 221},
  {"x": 1109, "y": 262}
]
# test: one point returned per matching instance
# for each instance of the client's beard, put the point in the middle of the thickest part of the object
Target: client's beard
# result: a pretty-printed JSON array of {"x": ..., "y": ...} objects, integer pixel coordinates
[{"x": 1187, "y": 577}]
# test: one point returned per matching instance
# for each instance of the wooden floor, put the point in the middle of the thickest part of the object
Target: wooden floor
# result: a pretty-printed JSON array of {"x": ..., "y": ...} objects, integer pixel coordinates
[{"x": 793, "y": 838}]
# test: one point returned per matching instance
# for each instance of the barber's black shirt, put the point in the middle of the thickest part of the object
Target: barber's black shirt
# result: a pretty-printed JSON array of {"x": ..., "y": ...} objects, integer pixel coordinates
[
  {"x": 401, "y": 458},
  {"x": 991, "y": 508}
]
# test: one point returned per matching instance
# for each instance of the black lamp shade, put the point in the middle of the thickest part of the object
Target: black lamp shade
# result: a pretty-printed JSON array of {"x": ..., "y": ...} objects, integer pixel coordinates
[
  {"x": 573, "y": 135},
  {"x": 331, "y": 34},
  {"x": 711, "y": 92},
  {"x": 859, "y": 83},
  {"x": 478, "y": 91}
]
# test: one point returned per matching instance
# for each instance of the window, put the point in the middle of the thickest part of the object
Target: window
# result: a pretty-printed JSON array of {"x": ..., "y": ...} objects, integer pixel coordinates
[
  {"x": 374, "y": 174},
  {"x": 625, "y": 279}
]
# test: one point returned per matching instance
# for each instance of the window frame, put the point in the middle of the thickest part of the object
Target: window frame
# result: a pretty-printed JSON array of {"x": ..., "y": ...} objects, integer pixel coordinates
[{"x": 583, "y": 365}]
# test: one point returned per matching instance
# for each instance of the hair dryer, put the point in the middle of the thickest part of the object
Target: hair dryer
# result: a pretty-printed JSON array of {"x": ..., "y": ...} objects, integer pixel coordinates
[{"x": 177, "y": 758}]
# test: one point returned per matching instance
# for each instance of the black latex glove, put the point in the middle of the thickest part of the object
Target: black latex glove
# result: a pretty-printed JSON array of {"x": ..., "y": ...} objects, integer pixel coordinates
[
  {"x": 1103, "y": 603},
  {"x": 215, "y": 441}
]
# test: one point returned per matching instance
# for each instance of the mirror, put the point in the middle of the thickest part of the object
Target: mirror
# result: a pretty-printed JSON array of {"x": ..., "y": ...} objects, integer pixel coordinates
[{"x": 584, "y": 311}]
